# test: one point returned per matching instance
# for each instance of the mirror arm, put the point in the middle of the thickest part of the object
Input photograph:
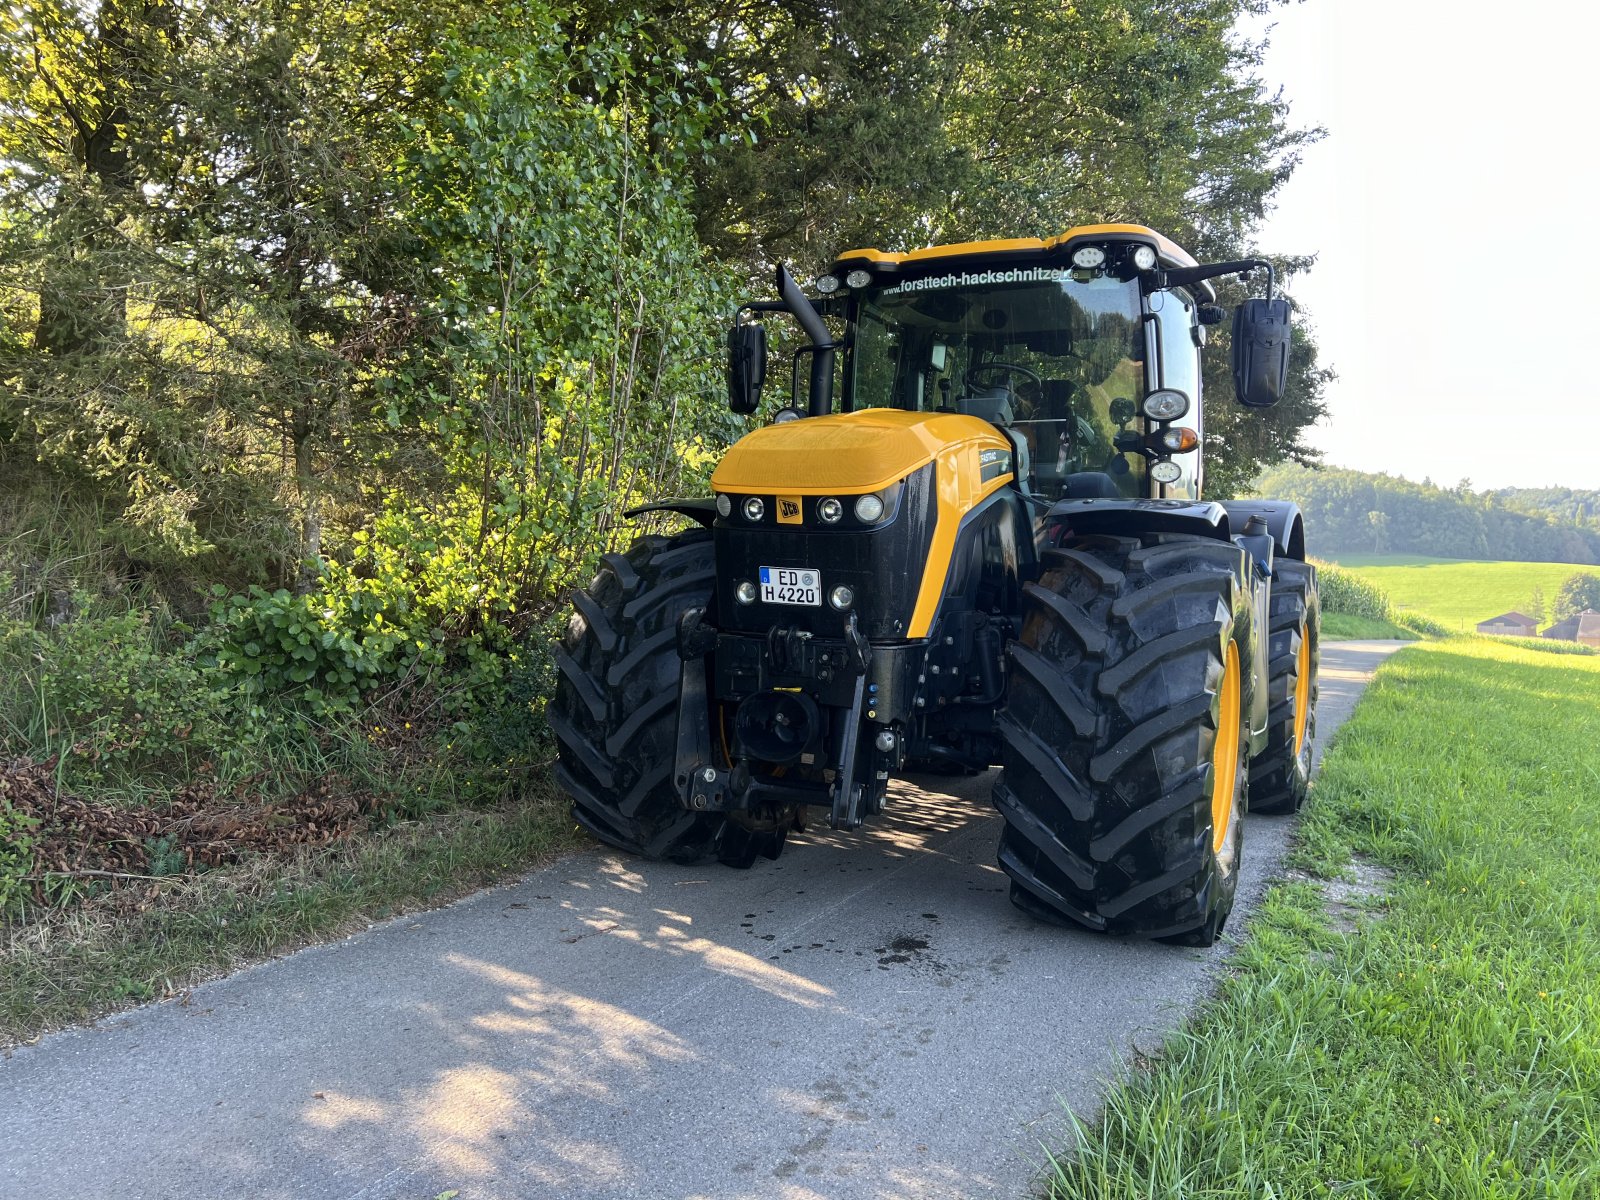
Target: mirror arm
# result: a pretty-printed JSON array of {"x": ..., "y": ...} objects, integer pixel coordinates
[
  {"x": 1182, "y": 276},
  {"x": 761, "y": 306}
]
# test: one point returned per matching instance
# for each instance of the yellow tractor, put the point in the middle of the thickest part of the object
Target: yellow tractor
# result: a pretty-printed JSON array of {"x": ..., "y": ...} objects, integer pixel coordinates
[{"x": 992, "y": 551}]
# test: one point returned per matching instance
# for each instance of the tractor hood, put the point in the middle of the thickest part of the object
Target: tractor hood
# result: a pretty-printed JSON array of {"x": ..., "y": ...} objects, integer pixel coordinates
[{"x": 850, "y": 453}]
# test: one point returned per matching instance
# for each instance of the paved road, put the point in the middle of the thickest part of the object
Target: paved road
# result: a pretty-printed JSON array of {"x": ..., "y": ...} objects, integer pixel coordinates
[{"x": 867, "y": 1017}]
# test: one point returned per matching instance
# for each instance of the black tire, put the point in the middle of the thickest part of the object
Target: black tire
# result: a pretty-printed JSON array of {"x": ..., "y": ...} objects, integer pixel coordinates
[
  {"x": 1115, "y": 699},
  {"x": 615, "y": 709},
  {"x": 1280, "y": 776}
]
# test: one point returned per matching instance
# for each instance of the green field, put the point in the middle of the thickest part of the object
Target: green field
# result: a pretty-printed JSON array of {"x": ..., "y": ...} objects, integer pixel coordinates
[
  {"x": 1460, "y": 593},
  {"x": 1438, "y": 1039}
]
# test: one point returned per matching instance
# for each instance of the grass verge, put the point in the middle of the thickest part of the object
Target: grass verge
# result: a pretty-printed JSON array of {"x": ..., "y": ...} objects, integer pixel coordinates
[
  {"x": 1344, "y": 627},
  {"x": 1450, "y": 1045},
  {"x": 135, "y": 945}
]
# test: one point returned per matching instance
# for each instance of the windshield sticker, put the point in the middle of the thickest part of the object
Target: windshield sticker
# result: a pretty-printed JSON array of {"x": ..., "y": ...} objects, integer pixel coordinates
[{"x": 976, "y": 278}]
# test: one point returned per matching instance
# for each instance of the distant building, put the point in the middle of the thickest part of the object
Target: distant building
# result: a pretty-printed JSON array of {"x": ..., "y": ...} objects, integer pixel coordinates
[
  {"x": 1565, "y": 630},
  {"x": 1580, "y": 627},
  {"x": 1511, "y": 624}
]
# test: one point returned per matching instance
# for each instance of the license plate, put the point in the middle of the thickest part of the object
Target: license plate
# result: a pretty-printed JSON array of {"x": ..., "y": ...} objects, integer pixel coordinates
[{"x": 791, "y": 585}]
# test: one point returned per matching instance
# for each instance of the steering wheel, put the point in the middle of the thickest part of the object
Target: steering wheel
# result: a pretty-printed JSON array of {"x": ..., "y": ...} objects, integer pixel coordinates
[{"x": 975, "y": 375}]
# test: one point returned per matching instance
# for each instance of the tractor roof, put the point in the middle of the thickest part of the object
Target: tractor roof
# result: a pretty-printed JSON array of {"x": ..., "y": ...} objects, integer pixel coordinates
[{"x": 1011, "y": 251}]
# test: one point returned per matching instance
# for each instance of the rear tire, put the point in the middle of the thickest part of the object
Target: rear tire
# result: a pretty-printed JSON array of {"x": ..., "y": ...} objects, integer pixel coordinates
[
  {"x": 1280, "y": 776},
  {"x": 1126, "y": 709},
  {"x": 615, "y": 709}
]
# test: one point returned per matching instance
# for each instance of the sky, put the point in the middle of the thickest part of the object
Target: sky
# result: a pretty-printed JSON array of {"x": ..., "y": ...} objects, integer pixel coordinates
[{"x": 1452, "y": 206}]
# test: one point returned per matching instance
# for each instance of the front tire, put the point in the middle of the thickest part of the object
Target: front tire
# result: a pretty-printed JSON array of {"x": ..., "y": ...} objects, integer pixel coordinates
[
  {"x": 615, "y": 709},
  {"x": 1126, "y": 737}
]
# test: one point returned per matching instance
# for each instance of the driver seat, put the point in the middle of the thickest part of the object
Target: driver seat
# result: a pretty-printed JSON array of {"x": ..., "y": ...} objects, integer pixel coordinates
[
  {"x": 995, "y": 406},
  {"x": 991, "y": 404}
]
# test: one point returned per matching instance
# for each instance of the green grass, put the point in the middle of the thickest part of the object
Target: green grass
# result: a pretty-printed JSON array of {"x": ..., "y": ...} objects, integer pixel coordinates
[
  {"x": 129, "y": 947},
  {"x": 1459, "y": 593},
  {"x": 1448, "y": 1046},
  {"x": 1345, "y": 627}
]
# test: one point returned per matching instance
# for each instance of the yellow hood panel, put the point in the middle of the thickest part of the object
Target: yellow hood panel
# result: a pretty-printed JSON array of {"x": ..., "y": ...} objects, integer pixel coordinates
[{"x": 849, "y": 453}]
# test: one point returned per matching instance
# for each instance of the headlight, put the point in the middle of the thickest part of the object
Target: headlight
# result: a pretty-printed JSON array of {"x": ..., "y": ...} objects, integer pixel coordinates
[
  {"x": 829, "y": 509},
  {"x": 1165, "y": 405},
  {"x": 754, "y": 509},
  {"x": 1166, "y": 472},
  {"x": 1144, "y": 258},
  {"x": 857, "y": 278},
  {"x": 745, "y": 593},
  {"x": 869, "y": 508},
  {"x": 1088, "y": 256},
  {"x": 827, "y": 284},
  {"x": 841, "y": 597},
  {"x": 724, "y": 506}
]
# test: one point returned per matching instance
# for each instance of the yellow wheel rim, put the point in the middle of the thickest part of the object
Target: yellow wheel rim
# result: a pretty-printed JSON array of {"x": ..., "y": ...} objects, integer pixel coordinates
[
  {"x": 1225, "y": 754},
  {"x": 1302, "y": 689}
]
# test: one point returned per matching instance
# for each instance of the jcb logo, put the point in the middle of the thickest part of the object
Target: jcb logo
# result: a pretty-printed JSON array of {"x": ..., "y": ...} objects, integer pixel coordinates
[{"x": 789, "y": 510}]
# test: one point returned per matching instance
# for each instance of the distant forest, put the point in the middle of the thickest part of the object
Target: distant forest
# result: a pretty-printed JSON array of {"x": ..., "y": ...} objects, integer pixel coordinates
[{"x": 1358, "y": 513}]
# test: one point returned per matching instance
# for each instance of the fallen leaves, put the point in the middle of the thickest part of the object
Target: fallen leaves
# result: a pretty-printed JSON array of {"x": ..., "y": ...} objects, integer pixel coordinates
[{"x": 201, "y": 825}]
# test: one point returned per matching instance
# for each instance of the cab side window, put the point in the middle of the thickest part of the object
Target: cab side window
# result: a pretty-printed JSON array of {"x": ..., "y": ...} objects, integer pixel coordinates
[{"x": 1179, "y": 368}]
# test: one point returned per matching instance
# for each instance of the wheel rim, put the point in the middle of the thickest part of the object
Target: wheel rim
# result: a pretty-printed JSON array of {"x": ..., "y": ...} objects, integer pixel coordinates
[
  {"x": 1225, "y": 754},
  {"x": 1302, "y": 690}
]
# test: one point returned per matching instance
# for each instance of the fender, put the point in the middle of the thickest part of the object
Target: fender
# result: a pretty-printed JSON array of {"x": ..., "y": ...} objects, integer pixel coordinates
[
  {"x": 703, "y": 510},
  {"x": 1199, "y": 518},
  {"x": 1284, "y": 523}
]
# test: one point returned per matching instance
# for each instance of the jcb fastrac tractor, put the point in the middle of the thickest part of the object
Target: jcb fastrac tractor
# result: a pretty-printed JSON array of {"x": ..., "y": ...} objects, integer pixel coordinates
[{"x": 993, "y": 551}]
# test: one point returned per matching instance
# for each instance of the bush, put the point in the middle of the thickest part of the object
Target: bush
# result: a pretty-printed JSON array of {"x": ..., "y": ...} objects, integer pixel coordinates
[
  {"x": 116, "y": 696},
  {"x": 324, "y": 647},
  {"x": 1343, "y": 592}
]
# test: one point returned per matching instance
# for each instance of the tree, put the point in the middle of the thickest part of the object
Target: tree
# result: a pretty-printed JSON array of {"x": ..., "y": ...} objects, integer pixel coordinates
[
  {"x": 1578, "y": 593},
  {"x": 1380, "y": 531},
  {"x": 1536, "y": 605}
]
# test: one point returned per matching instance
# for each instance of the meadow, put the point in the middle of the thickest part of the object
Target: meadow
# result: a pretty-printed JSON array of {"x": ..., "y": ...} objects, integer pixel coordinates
[{"x": 1459, "y": 593}]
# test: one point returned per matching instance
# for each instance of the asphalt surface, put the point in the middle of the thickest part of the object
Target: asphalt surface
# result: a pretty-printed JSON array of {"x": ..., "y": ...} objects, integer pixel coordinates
[{"x": 866, "y": 1017}]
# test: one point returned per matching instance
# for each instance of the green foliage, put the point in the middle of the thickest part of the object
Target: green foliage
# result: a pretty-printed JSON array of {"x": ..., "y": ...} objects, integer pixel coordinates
[
  {"x": 165, "y": 856},
  {"x": 1536, "y": 605},
  {"x": 1343, "y": 592},
  {"x": 110, "y": 694},
  {"x": 279, "y": 642},
  {"x": 16, "y": 855},
  {"x": 1421, "y": 519},
  {"x": 576, "y": 371},
  {"x": 1579, "y": 592}
]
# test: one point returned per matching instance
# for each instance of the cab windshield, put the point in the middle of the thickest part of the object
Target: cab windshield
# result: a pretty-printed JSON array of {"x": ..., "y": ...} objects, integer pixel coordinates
[{"x": 1057, "y": 360}]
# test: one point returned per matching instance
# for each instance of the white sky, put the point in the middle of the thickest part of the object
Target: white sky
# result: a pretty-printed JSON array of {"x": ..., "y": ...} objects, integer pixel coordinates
[{"x": 1453, "y": 209}]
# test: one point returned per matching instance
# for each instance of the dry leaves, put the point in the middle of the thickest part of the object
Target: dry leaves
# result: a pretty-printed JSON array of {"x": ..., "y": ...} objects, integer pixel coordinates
[{"x": 201, "y": 825}]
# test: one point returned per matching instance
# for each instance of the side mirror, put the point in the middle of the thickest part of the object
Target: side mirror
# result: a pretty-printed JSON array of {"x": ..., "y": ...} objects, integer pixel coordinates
[
  {"x": 747, "y": 366},
  {"x": 1261, "y": 352}
]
